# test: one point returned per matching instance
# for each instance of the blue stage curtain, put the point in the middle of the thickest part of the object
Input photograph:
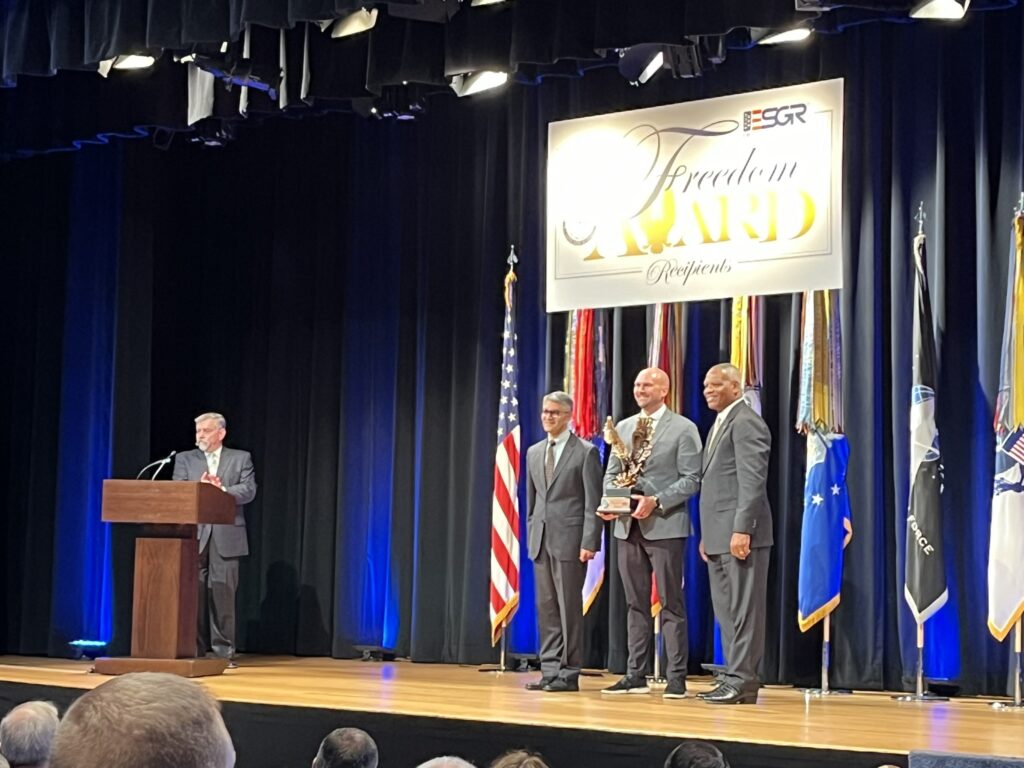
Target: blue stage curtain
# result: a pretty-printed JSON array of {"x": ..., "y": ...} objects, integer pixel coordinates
[{"x": 82, "y": 604}]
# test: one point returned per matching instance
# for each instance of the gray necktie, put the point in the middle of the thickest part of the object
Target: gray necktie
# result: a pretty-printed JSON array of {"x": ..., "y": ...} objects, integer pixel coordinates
[
  {"x": 211, "y": 463},
  {"x": 549, "y": 463}
]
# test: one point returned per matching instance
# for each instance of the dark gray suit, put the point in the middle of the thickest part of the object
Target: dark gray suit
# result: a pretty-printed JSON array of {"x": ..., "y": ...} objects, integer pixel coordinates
[
  {"x": 734, "y": 499},
  {"x": 657, "y": 543},
  {"x": 220, "y": 547},
  {"x": 561, "y": 519}
]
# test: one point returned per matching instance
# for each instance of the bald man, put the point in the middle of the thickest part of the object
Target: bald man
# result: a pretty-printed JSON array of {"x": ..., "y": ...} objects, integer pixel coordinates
[
  {"x": 736, "y": 531},
  {"x": 653, "y": 538}
]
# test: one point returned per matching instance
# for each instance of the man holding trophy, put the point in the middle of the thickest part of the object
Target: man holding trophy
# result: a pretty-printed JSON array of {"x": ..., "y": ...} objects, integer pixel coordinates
[{"x": 654, "y": 468}]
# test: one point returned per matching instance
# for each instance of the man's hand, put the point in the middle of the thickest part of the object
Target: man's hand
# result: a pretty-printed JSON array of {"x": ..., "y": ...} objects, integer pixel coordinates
[
  {"x": 700, "y": 548},
  {"x": 586, "y": 554},
  {"x": 212, "y": 480},
  {"x": 739, "y": 545},
  {"x": 607, "y": 515},
  {"x": 644, "y": 507}
]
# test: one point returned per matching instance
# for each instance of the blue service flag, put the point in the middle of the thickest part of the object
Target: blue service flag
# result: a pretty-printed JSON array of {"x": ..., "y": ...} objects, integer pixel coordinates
[{"x": 827, "y": 527}]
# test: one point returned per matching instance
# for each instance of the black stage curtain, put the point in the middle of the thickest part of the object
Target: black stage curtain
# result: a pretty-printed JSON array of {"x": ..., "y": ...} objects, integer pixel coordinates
[{"x": 334, "y": 286}]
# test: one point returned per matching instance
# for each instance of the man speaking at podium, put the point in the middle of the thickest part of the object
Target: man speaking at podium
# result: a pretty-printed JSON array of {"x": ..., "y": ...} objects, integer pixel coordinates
[{"x": 220, "y": 546}]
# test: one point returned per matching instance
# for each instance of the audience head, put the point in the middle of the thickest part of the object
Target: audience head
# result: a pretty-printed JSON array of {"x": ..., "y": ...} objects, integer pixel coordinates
[
  {"x": 346, "y": 748},
  {"x": 26, "y": 733},
  {"x": 696, "y": 754},
  {"x": 144, "y": 719},
  {"x": 4, "y": 763},
  {"x": 519, "y": 758},
  {"x": 446, "y": 762}
]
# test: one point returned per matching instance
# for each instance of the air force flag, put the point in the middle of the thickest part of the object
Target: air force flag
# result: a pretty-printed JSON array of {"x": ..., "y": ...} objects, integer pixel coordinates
[{"x": 827, "y": 527}]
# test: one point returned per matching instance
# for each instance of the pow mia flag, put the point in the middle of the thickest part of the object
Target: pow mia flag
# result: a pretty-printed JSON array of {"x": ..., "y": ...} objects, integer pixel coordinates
[{"x": 925, "y": 575}]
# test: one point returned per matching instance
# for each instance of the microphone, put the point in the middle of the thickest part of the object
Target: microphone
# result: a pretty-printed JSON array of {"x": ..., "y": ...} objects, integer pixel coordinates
[{"x": 162, "y": 462}]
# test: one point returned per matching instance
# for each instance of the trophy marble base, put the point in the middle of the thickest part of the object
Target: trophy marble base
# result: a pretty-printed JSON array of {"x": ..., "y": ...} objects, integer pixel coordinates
[{"x": 618, "y": 501}]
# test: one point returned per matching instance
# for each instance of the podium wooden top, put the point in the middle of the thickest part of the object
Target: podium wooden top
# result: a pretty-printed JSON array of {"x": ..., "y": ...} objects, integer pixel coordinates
[{"x": 171, "y": 502}]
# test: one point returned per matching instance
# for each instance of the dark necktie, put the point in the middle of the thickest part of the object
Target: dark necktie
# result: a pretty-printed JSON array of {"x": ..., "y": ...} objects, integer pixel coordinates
[{"x": 549, "y": 462}]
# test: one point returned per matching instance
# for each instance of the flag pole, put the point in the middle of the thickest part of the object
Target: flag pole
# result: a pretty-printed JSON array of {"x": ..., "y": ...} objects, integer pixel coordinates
[
  {"x": 657, "y": 650},
  {"x": 920, "y": 694},
  {"x": 1017, "y": 705},
  {"x": 826, "y": 659}
]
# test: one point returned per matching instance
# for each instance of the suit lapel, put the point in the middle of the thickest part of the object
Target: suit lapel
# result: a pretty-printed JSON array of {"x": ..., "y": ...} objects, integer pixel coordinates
[
  {"x": 664, "y": 423},
  {"x": 570, "y": 446},
  {"x": 709, "y": 450}
]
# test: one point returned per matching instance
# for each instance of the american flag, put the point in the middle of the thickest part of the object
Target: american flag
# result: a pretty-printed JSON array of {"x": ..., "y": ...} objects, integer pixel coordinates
[
  {"x": 505, "y": 505},
  {"x": 1014, "y": 446}
]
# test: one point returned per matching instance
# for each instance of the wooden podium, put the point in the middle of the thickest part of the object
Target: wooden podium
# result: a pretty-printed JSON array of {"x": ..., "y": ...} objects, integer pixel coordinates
[{"x": 166, "y": 571}]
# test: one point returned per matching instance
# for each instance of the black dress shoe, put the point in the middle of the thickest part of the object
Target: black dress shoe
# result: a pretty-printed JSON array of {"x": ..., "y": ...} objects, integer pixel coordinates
[
  {"x": 561, "y": 685},
  {"x": 705, "y": 694},
  {"x": 727, "y": 694},
  {"x": 538, "y": 685}
]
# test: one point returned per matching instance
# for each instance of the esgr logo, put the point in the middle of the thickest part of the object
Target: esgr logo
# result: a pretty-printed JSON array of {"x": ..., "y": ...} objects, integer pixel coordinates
[{"x": 773, "y": 117}]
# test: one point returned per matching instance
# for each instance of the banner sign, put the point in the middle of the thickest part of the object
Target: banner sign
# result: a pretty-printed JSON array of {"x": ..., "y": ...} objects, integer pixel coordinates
[{"x": 739, "y": 195}]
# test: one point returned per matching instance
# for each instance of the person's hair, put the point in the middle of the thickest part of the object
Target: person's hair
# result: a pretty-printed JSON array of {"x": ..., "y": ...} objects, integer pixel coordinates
[
  {"x": 346, "y": 748},
  {"x": 560, "y": 397},
  {"x": 696, "y": 754},
  {"x": 730, "y": 371},
  {"x": 519, "y": 758},
  {"x": 26, "y": 732},
  {"x": 446, "y": 761},
  {"x": 221, "y": 421},
  {"x": 147, "y": 719}
]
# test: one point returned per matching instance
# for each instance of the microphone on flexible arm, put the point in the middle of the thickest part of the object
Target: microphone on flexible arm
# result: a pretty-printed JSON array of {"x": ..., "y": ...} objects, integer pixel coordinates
[{"x": 162, "y": 462}]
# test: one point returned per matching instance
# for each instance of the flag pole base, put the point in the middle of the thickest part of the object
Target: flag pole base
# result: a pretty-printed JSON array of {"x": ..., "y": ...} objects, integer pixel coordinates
[
  {"x": 925, "y": 697},
  {"x": 819, "y": 693},
  {"x": 1007, "y": 706}
]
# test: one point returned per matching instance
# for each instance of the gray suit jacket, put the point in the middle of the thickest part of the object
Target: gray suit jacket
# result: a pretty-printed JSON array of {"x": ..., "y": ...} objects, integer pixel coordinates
[
  {"x": 734, "y": 494},
  {"x": 564, "y": 513},
  {"x": 238, "y": 477},
  {"x": 672, "y": 473}
]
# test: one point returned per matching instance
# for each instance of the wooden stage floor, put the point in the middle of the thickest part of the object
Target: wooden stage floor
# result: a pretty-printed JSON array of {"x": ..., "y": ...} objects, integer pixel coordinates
[{"x": 863, "y": 722}]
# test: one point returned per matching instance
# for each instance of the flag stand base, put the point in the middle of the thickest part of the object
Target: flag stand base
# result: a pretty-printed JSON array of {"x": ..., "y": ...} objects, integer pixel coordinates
[
  {"x": 1008, "y": 706},
  {"x": 1016, "y": 704},
  {"x": 826, "y": 649},
  {"x": 925, "y": 696},
  {"x": 920, "y": 695}
]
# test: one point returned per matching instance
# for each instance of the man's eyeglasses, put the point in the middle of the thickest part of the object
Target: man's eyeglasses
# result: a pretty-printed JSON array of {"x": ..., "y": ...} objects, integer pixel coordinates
[{"x": 546, "y": 412}]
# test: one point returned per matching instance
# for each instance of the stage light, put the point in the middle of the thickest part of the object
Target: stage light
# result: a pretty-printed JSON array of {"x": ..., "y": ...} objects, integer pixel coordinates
[
  {"x": 940, "y": 9},
  {"x": 475, "y": 82},
  {"x": 88, "y": 649},
  {"x": 795, "y": 35},
  {"x": 133, "y": 61},
  {"x": 474, "y": 3},
  {"x": 354, "y": 23},
  {"x": 639, "y": 63},
  {"x": 126, "y": 62}
]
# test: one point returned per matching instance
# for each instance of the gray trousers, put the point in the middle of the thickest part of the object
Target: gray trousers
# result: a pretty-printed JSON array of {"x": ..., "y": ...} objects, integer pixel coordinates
[
  {"x": 559, "y": 590},
  {"x": 738, "y": 593},
  {"x": 638, "y": 558},
  {"x": 218, "y": 581}
]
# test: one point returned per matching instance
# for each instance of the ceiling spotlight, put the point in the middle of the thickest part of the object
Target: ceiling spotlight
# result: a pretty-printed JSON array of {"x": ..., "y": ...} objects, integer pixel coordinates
[
  {"x": 639, "y": 63},
  {"x": 126, "y": 62},
  {"x": 475, "y": 82},
  {"x": 940, "y": 9},
  {"x": 354, "y": 23},
  {"x": 794, "y": 35}
]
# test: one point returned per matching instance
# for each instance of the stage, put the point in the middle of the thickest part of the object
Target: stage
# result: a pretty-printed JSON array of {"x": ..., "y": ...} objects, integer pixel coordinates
[{"x": 278, "y": 708}]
